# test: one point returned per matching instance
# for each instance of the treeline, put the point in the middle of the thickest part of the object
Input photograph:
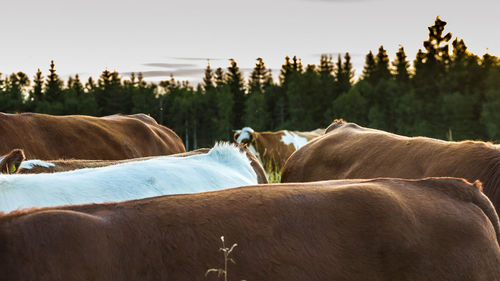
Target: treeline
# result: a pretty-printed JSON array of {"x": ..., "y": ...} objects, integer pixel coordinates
[{"x": 446, "y": 92}]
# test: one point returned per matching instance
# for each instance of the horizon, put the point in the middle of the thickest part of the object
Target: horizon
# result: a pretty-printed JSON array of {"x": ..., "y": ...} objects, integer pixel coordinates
[{"x": 159, "y": 38}]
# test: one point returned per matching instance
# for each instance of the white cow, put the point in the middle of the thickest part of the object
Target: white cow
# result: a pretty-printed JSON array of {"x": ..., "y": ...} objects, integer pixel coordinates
[{"x": 223, "y": 166}]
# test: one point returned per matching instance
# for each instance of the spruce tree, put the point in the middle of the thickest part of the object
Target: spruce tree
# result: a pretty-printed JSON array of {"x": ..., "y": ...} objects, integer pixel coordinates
[
  {"x": 381, "y": 70},
  {"x": 37, "y": 91},
  {"x": 258, "y": 77},
  {"x": 219, "y": 77},
  {"x": 401, "y": 67},
  {"x": 285, "y": 72},
  {"x": 369, "y": 68},
  {"x": 437, "y": 44},
  {"x": 208, "y": 79},
  {"x": 235, "y": 82},
  {"x": 77, "y": 85},
  {"x": 346, "y": 75},
  {"x": 90, "y": 85},
  {"x": 53, "y": 85}
]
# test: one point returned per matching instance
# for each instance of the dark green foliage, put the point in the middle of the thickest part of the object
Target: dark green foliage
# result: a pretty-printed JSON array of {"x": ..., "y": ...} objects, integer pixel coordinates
[
  {"x": 208, "y": 80},
  {"x": 256, "y": 109},
  {"x": 234, "y": 80},
  {"x": 369, "y": 68},
  {"x": 401, "y": 67},
  {"x": 443, "y": 95},
  {"x": 53, "y": 85}
]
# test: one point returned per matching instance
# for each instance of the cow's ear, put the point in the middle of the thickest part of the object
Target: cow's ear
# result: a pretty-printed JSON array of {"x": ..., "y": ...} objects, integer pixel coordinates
[
  {"x": 235, "y": 136},
  {"x": 11, "y": 162}
]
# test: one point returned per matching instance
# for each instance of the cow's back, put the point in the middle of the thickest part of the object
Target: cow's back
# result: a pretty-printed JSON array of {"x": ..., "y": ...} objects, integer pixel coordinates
[
  {"x": 85, "y": 137},
  {"x": 350, "y": 151},
  {"x": 383, "y": 229}
]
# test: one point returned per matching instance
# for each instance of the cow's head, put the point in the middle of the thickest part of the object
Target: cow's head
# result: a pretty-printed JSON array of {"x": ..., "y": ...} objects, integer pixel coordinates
[
  {"x": 9, "y": 164},
  {"x": 244, "y": 136}
]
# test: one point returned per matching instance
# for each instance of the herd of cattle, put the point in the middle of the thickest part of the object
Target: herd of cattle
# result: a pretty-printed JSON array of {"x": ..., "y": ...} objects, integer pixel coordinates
[{"x": 87, "y": 198}]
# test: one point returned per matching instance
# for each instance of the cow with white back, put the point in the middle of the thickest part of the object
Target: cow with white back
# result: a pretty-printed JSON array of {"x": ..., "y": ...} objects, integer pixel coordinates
[
  {"x": 223, "y": 166},
  {"x": 14, "y": 162}
]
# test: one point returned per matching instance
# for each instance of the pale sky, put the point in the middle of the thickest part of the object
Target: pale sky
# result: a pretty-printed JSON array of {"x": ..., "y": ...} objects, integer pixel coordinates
[{"x": 163, "y": 37}]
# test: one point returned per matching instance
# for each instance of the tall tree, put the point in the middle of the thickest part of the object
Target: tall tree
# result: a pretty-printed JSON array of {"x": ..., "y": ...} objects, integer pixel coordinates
[
  {"x": 437, "y": 49},
  {"x": 37, "y": 91},
  {"x": 235, "y": 82},
  {"x": 346, "y": 74},
  {"x": 208, "y": 79},
  {"x": 381, "y": 70},
  {"x": 401, "y": 67},
  {"x": 220, "y": 77},
  {"x": 369, "y": 68},
  {"x": 53, "y": 85}
]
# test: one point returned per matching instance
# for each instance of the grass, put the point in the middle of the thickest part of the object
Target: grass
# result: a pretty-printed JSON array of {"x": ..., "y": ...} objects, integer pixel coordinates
[
  {"x": 226, "y": 251},
  {"x": 273, "y": 172}
]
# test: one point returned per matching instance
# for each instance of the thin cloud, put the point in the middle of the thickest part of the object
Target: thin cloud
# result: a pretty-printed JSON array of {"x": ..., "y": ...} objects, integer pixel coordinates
[
  {"x": 197, "y": 58},
  {"x": 340, "y": 1},
  {"x": 162, "y": 73},
  {"x": 169, "y": 65}
]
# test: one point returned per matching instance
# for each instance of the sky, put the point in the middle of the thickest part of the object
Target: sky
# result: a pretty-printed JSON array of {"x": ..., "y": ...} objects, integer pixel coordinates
[{"x": 163, "y": 37}]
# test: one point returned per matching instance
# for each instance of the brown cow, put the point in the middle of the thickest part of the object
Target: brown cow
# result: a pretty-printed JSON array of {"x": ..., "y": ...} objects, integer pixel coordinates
[
  {"x": 348, "y": 151},
  {"x": 381, "y": 229},
  {"x": 85, "y": 137},
  {"x": 273, "y": 148}
]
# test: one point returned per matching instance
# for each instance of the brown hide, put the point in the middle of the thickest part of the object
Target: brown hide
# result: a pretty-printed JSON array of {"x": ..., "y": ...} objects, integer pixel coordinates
[
  {"x": 85, "y": 137},
  {"x": 348, "y": 151},
  {"x": 272, "y": 151},
  {"x": 382, "y": 229},
  {"x": 10, "y": 163}
]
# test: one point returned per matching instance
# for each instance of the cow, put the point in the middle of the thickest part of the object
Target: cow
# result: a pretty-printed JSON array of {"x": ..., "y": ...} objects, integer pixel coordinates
[
  {"x": 378, "y": 229},
  {"x": 223, "y": 166},
  {"x": 273, "y": 148},
  {"x": 349, "y": 151},
  {"x": 85, "y": 137},
  {"x": 14, "y": 162}
]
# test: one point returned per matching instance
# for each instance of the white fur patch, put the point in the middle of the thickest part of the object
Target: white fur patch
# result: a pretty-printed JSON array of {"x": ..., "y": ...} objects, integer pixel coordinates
[
  {"x": 245, "y": 134},
  {"x": 29, "y": 164},
  {"x": 292, "y": 138},
  {"x": 223, "y": 167}
]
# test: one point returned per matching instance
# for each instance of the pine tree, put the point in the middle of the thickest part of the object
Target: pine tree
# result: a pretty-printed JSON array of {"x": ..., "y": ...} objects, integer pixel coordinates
[
  {"x": 37, "y": 91},
  {"x": 381, "y": 70},
  {"x": 235, "y": 82},
  {"x": 259, "y": 77},
  {"x": 53, "y": 85},
  {"x": 346, "y": 75},
  {"x": 401, "y": 66},
  {"x": 220, "y": 77},
  {"x": 77, "y": 85},
  {"x": 141, "y": 83},
  {"x": 369, "y": 68},
  {"x": 208, "y": 80},
  {"x": 326, "y": 66},
  {"x": 437, "y": 53},
  {"x": 90, "y": 85},
  {"x": 285, "y": 72}
]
